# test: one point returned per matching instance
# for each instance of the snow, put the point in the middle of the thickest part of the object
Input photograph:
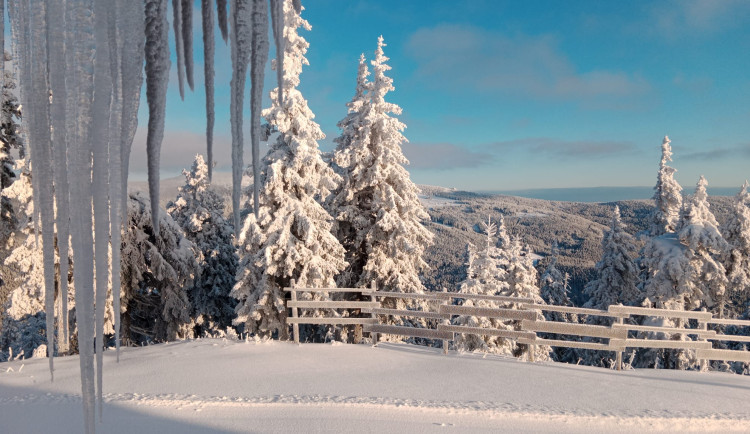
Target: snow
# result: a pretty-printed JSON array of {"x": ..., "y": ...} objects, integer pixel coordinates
[{"x": 220, "y": 385}]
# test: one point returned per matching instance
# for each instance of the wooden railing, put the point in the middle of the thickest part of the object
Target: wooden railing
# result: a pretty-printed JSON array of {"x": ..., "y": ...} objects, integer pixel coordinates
[{"x": 617, "y": 335}]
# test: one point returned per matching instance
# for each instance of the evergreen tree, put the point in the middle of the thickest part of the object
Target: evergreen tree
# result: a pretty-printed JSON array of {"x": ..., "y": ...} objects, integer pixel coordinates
[
  {"x": 156, "y": 272},
  {"x": 667, "y": 196},
  {"x": 737, "y": 234},
  {"x": 616, "y": 273},
  {"x": 485, "y": 275},
  {"x": 379, "y": 213},
  {"x": 199, "y": 211},
  {"x": 699, "y": 231},
  {"x": 291, "y": 238}
]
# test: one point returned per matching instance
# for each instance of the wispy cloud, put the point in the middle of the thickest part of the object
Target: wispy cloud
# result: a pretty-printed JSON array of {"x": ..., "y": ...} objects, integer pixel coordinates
[
  {"x": 550, "y": 147},
  {"x": 677, "y": 18},
  {"x": 719, "y": 153},
  {"x": 465, "y": 57},
  {"x": 444, "y": 156}
]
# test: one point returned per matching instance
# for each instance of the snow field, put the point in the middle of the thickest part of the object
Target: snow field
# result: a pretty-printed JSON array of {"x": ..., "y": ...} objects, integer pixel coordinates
[{"x": 224, "y": 386}]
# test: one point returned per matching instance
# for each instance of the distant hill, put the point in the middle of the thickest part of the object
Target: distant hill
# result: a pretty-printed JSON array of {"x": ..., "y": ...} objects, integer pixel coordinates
[{"x": 456, "y": 217}]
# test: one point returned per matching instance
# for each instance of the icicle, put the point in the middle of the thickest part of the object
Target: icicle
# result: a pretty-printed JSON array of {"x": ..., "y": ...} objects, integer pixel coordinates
[
  {"x": 80, "y": 86},
  {"x": 207, "y": 13},
  {"x": 56, "y": 69},
  {"x": 221, "y": 9},
  {"x": 100, "y": 187},
  {"x": 240, "y": 50},
  {"x": 277, "y": 18},
  {"x": 37, "y": 91},
  {"x": 257, "y": 65},
  {"x": 157, "y": 76},
  {"x": 297, "y": 6},
  {"x": 187, "y": 39},
  {"x": 132, "y": 34},
  {"x": 177, "y": 25}
]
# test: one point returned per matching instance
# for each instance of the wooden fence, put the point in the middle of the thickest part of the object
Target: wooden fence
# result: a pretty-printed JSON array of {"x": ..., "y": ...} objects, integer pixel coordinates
[{"x": 619, "y": 336}]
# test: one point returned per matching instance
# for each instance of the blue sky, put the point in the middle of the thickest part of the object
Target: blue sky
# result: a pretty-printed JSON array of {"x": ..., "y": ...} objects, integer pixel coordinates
[{"x": 513, "y": 95}]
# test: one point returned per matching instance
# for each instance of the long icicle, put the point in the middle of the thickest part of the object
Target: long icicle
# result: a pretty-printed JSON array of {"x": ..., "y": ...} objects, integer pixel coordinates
[
  {"x": 80, "y": 82},
  {"x": 187, "y": 40},
  {"x": 39, "y": 135},
  {"x": 277, "y": 22},
  {"x": 241, "y": 40},
  {"x": 100, "y": 189},
  {"x": 258, "y": 60},
  {"x": 56, "y": 70},
  {"x": 177, "y": 25},
  {"x": 221, "y": 9},
  {"x": 115, "y": 155},
  {"x": 157, "y": 77},
  {"x": 207, "y": 13}
]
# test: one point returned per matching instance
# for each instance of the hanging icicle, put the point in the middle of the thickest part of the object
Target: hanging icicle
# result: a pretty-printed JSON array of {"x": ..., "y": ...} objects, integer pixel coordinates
[
  {"x": 187, "y": 40},
  {"x": 277, "y": 22},
  {"x": 131, "y": 32},
  {"x": 221, "y": 9},
  {"x": 178, "y": 44},
  {"x": 207, "y": 14},
  {"x": 257, "y": 66},
  {"x": 80, "y": 54},
  {"x": 100, "y": 186},
  {"x": 37, "y": 91},
  {"x": 157, "y": 76},
  {"x": 241, "y": 45},
  {"x": 56, "y": 69}
]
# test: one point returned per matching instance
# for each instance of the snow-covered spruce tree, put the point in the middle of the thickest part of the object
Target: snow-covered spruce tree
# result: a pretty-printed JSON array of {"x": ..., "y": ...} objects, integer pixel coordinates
[
  {"x": 667, "y": 196},
  {"x": 10, "y": 140},
  {"x": 157, "y": 271},
  {"x": 290, "y": 239},
  {"x": 699, "y": 231},
  {"x": 522, "y": 282},
  {"x": 737, "y": 262},
  {"x": 27, "y": 296},
  {"x": 485, "y": 275},
  {"x": 616, "y": 273},
  {"x": 378, "y": 212},
  {"x": 554, "y": 290},
  {"x": 199, "y": 211}
]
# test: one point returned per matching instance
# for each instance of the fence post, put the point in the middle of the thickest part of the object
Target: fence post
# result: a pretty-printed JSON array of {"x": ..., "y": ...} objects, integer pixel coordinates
[
  {"x": 703, "y": 325},
  {"x": 618, "y": 362},
  {"x": 373, "y": 335},
  {"x": 445, "y": 321},
  {"x": 295, "y": 326}
]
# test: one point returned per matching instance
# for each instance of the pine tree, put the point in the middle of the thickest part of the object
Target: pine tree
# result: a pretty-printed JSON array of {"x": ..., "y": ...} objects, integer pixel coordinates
[
  {"x": 616, "y": 273},
  {"x": 485, "y": 275},
  {"x": 379, "y": 213},
  {"x": 199, "y": 211},
  {"x": 737, "y": 234},
  {"x": 291, "y": 238},
  {"x": 156, "y": 272},
  {"x": 667, "y": 195},
  {"x": 699, "y": 231}
]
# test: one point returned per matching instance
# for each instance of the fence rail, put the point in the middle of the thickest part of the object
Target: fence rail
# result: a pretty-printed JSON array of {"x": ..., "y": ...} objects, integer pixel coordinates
[{"x": 531, "y": 324}]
